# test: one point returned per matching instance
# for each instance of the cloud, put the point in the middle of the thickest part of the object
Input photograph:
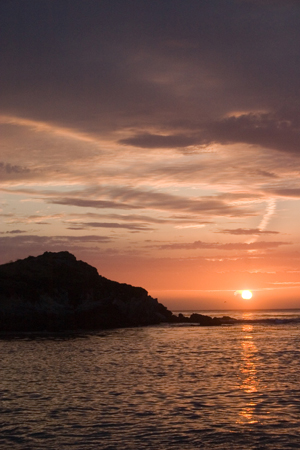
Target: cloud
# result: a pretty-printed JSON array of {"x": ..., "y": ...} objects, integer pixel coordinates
[
  {"x": 190, "y": 226},
  {"x": 33, "y": 218},
  {"x": 273, "y": 131},
  {"x": 253, "y": 245},
  {"x": 266, "y": 130},
  {"x": 14, "y": 232},
  {"x": 136, "y": 222},
  {"x": 129, "y": 198},
  {"x": 111, "y": 74},
  {"x": 159, "y": 141},
  {"x": 246, "y": 231},
  {"x": 287, "y": 192},
  {"x": 17, "y": 172},
  {"x": 215, "y": 245},
  {"x": 124, "y": 217},
  {"x": 26, "y": 239},
  {"x": 8, "y": 168},
  {"x": 128, "y": 226},
  {"x": 101, "y": 204}
]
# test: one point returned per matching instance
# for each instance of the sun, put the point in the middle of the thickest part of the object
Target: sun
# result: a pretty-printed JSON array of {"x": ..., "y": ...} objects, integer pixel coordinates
[{"x": 246, "y": 295}]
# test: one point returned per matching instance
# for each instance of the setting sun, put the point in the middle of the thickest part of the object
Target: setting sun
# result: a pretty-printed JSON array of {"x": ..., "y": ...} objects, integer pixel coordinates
[{"x": 246, "y": 295}]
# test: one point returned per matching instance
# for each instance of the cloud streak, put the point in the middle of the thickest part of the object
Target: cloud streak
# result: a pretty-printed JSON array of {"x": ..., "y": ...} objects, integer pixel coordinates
[
  {"x": 112, "y": 225},
  {"x": 131, "y": 198},
  {"x": 228, "y": 246},
  {"x": 245, "y": 231}
]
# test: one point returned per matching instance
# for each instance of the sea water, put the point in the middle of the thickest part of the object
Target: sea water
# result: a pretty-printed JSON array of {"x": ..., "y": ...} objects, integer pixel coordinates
[{"x": 159, "y": 387}]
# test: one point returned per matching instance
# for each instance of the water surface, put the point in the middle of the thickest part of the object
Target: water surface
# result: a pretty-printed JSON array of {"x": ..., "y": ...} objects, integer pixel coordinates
[{"x": 162, "y": 387}]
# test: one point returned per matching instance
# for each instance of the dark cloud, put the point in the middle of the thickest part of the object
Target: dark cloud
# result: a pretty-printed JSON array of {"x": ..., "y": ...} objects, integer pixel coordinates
[
  {"x": 264, "y": 130},
  {"x": 160, "y": 141},
  {"x": 136, "y": 218},
  {"x": 287, "y": 192},
  {"x": 131, "y": 64},
  {"x": 102, "y": 204},
  {"x": 267, "y": 174},
  {"x": 127, "y": 226},
  {"x": 14, "y": 232},
  {"x": 12, "y": 169}
]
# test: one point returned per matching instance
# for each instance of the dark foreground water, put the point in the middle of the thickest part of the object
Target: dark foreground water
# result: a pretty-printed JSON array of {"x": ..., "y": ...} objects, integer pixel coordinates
[{"x": 163, "y": 387}]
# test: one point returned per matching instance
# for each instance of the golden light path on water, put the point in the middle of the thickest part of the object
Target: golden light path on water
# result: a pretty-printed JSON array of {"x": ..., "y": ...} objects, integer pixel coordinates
[{"x": 249, "y": 381}]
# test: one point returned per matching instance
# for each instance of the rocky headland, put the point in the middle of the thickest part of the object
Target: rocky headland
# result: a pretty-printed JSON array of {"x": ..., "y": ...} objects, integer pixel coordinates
[{"x": 56, "y": 292}]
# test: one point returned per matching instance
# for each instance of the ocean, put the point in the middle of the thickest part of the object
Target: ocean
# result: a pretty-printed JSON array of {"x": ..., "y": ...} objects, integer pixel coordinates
[{"x": 162, "y": 387}]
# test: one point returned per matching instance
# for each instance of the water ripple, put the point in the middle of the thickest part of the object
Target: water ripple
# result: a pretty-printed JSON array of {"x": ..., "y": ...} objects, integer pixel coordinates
[{"x": 160, "y": 387}]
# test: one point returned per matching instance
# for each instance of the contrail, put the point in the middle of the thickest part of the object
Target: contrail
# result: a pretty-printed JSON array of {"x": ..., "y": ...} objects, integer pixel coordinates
[
  {"x": 269, "y": 212},
  {"x": 266, "y": 218}
]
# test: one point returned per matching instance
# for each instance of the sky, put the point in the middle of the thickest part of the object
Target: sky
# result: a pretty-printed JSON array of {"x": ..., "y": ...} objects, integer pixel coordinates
[{"x": 159, "y": 141}]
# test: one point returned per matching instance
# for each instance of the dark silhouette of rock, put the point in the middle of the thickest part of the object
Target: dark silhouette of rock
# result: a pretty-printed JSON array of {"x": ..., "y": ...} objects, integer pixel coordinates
[
  {"x": 196, "y": 318},
  {"x": 227, "y": 320},
  {"x": 205, "y": 320},
  {"x": 56, "y": 292},
  {"x": 179, "y": 319}
]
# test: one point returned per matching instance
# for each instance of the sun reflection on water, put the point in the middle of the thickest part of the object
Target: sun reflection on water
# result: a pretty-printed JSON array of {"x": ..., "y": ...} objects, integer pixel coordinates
[{"x": 248, "y": 369}]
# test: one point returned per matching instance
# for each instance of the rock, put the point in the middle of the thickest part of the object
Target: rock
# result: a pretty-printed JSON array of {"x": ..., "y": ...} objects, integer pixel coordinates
[
  {"x": 227, "y": 320},
  {"x": 180, "y": 318},
  {"x": 205, "y": 320},
  {"x": 196, "y": 318},
  {"x": 55, "y": 292}
]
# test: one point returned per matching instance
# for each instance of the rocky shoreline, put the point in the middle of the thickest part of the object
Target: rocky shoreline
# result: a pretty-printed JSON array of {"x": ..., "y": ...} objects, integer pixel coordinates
[{"x": 55, "y": 292}]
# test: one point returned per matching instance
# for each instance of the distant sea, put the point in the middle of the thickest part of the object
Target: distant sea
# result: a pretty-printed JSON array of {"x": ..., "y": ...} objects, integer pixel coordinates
[
  {"x": 162, "y": 387},
  {"x": 261, "y": 315}
]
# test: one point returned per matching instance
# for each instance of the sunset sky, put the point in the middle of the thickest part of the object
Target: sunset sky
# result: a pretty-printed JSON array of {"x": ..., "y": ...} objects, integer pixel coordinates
[{"x": 159, "y": 141}]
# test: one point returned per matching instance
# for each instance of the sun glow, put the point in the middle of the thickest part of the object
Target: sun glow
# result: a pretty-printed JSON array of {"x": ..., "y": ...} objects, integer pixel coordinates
[{"x": 246, "y": 295}]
